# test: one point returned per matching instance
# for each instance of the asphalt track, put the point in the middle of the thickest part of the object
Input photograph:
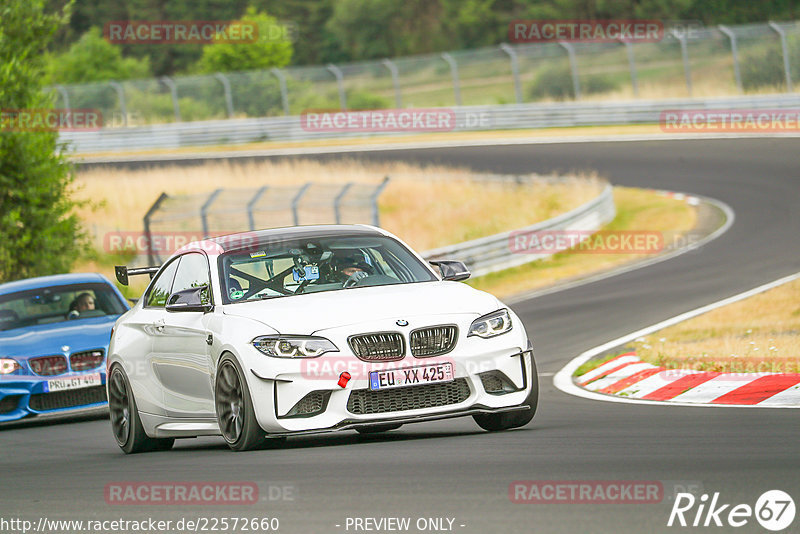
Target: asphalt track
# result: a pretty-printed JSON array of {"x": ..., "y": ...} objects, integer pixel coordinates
[{"x": 452, "y": 469}]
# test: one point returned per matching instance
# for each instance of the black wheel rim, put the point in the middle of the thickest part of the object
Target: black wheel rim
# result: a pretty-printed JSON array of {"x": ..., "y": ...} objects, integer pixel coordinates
[
  {"x": 229, "y": 402},
  {"x": 119, "y": 407}
]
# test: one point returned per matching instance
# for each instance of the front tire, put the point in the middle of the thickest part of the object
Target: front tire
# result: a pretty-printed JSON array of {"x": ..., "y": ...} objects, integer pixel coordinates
[
  {"x": 125, "y": 421},
  {"x": 235, "y": 414},
  {"x": 495, "y": 422}
]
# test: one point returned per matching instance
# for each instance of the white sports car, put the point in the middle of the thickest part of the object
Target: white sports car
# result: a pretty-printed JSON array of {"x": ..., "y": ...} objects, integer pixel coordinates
[{"x": 311, "y": 329}]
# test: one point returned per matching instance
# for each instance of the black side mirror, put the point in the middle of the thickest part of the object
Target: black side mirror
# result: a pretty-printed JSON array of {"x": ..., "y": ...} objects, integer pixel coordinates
[
  {"x": 452, "y": 270},
  {"x": 189, "y": 300}
]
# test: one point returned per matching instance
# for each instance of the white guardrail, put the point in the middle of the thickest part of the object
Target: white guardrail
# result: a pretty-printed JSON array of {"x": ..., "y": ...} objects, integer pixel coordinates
[
  {"x": 494, "y": 253},
  {"x": 467, "y": 118}
]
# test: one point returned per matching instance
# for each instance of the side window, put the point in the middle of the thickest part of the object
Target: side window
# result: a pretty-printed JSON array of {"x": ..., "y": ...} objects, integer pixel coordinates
[
  {"x": 193, "y": 272},
  {"x": 162, "y": 285}
]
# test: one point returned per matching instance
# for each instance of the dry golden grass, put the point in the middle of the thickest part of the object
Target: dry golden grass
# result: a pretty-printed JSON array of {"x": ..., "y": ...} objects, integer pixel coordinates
[
  {"x": 637, "y": 210},
  {"x": 761, "y": 333},
  {"x": 426, "y": 206}
]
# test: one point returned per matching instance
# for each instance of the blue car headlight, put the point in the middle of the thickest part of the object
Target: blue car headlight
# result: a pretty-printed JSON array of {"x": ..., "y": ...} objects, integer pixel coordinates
[
  {"x": 294, "y": 346},
  {"x": 491, "y": 324},
  {"x": 8, "y": 366}
]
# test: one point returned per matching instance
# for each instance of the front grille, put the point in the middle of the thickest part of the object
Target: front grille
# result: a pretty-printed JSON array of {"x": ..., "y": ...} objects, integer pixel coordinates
[
  {"x": 434, "y": 340},
  {"x": 365, "y": 401},
  {"x": 83, "y": 361},
  {"x": 68, "y": 399},
  {"x": 378, "y": 347},
  {"x": 312, "y": 404},
  {"x": 48, "y": 365},
  {"x": 9, "y": 404}
]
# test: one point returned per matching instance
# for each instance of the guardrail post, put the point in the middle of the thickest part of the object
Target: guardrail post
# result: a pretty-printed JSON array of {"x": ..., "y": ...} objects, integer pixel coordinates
[
  {"x": 284, "y": 91},
  {"x": 151, "y": 258},
  {"x": 374, "y": 200},
  {"x": 785, "y": 51},
  {"x": 204, "y": 211},
  {"x": 512, "y": 54},
  {"x": 454, "y": 70},
  {"x": 338, "y": 200},
  {"x": 687, "y": 69},
  {"x": 632, "y": 63},
  {"x": 173, "y": 89},
  {"x": 398, "y": 98},
  {"x": 337, "y": 72},
  {"x": 735, "y": 53},
  {"x": 121, "y": 98},
  {"x": 64, "y": 95},
  {"x": 296, "y": 202},
  {"x": 226, "y": 86},
  {"x": 573, "y": 64},
  {"x": 250, "y": 205}
]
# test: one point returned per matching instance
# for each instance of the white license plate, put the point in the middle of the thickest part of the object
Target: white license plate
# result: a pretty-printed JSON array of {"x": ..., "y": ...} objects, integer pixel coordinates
[
  {"x": 73, "y": 382},
  {"x": 410, "y": 376}
]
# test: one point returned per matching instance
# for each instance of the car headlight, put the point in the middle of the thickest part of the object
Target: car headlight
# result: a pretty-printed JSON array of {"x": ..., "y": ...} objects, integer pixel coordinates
[
  {"x": 294, "y": 346},
  {"x": 491, "y": 324},
  {"x": 8, "y": 366}
]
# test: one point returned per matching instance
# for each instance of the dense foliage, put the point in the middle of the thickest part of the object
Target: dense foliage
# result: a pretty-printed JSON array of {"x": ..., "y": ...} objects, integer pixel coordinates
[
  {"x": 351, "y": 30},
  {"x": 40, "y": 232}
]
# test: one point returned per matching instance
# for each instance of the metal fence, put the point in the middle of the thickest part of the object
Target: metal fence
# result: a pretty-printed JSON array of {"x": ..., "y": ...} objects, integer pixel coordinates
[
  {"x": 494, "y": 253},
  {"x": 703, "y": 62},
  {"x": 227, "y": 211},
  {"x": 473, "y": 118}
]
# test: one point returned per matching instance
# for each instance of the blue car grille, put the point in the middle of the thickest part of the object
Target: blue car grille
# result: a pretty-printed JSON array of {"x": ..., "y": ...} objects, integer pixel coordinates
[{"x": 72, "y": 398}]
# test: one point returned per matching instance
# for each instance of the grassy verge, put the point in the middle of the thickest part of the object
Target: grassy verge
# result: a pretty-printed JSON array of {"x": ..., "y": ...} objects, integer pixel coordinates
[
  {"x": 758, "y": 334},
  {"x": 637, "y": 210}
]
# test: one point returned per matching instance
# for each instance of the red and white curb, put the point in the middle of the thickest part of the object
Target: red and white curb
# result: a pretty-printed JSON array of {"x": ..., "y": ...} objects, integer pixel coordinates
[
  {"x": 628, "y": 376},
  {"x": 629, "y": 380}
]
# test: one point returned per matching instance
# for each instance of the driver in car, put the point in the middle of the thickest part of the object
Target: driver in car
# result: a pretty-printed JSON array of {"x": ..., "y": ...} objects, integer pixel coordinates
[
  {"x": 351, "y": 270},
  {"x": 82, "y": 303}
]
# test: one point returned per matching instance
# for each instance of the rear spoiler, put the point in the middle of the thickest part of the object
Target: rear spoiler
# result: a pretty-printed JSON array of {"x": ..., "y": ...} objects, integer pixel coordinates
[{"x": 123, "y": 272}]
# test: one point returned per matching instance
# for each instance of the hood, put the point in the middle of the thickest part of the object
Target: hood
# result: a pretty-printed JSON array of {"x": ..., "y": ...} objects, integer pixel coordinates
[
  {"x": 306, "y": 314},
  {"x": 48, "y": 339}
]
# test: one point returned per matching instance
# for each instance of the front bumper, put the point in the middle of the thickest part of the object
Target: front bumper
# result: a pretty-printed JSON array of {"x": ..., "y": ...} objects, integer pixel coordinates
[
  {"x": 276, "y": 395},
  {"x": 24, "y": 396}
]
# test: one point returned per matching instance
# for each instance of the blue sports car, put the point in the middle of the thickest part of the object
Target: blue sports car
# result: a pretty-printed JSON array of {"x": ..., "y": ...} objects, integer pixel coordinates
[{"x": 54, "y": 334}]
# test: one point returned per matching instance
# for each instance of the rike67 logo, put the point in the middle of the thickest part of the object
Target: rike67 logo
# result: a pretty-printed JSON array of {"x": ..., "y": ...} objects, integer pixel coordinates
[{"x": 774, "y": 510}]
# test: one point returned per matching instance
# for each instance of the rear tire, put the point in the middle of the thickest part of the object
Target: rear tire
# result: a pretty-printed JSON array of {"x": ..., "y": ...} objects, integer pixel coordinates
[
  {"x": 377, "y": 429},
  {"x": 125, "y": 422},
  {"x": 496, "y": 422},
  {"x": 235, "y": 414}
]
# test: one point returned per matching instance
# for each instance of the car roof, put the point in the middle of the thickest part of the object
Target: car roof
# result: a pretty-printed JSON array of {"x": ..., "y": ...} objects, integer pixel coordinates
[
  {"x": 261, "y": 238},
  {"x": 55, "y": 280}
]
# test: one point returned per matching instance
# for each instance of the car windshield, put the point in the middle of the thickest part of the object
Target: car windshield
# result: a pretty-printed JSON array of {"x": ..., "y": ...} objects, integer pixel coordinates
[
  {"x": 317, "y": 264},
  {"x": 57, "y": 304}
]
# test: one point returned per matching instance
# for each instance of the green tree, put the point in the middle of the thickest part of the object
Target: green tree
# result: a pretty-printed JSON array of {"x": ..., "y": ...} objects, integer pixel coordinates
[
  {"x": 273, "y": 48},
  {"x": 93, "y": 59},
  {"x": 40, "y": 232}
]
